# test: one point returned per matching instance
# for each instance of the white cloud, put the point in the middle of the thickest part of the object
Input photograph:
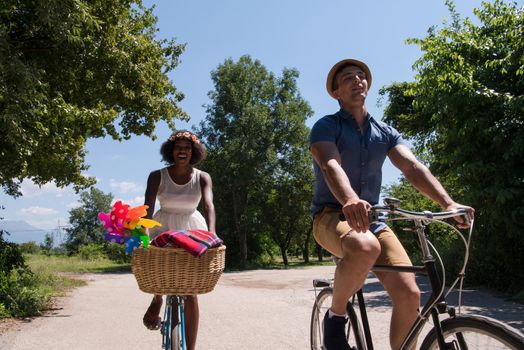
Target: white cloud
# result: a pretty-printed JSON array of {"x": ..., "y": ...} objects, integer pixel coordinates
[
  {"x": 72, "y": 205},
  {"x": 38, "y": 211},
  {"x": 138, "y": 200},
  {"x": 31, "y": 190},
  {"x": 116, "y": 157},
  {"x": 124, "y": 187}
]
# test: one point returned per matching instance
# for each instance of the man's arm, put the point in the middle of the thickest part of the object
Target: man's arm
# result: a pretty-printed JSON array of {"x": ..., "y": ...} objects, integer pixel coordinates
[
  {"x": 422, "y": 179},
  {"x": 327, "y": 157}
]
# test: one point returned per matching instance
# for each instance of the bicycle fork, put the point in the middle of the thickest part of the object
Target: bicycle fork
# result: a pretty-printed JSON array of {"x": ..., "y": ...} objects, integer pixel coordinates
[{"x": 174, "y": 317}]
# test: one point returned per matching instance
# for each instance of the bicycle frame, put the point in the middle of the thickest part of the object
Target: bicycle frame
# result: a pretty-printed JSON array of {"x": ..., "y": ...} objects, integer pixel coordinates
[
  {"x": 173, "y": 315},
  {"x": 436, "y": 303}
]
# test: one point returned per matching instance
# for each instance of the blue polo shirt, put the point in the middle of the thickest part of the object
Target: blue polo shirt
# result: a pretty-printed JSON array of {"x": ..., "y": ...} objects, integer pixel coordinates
[{"x": 362, "y": 155}]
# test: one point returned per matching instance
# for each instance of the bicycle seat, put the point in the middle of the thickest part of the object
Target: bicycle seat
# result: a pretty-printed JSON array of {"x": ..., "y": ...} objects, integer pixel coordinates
[{"x": 322, "y": 282}]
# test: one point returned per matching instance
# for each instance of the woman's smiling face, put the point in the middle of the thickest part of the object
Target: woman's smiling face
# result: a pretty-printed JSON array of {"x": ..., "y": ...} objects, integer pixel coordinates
[{"x": 182, "y": 151}]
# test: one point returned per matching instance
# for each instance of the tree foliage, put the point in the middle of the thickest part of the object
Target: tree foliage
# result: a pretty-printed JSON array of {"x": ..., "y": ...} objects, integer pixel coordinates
[
  {"x": 72, "y": 70},
  {"x": 85, "y": 225},
  {"x": 464, "y": 113},
  {"x": 257, "y": 141}
]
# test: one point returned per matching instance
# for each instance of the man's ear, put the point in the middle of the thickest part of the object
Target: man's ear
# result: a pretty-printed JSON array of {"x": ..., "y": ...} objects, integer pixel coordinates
[{"x": 335, "y": 94}]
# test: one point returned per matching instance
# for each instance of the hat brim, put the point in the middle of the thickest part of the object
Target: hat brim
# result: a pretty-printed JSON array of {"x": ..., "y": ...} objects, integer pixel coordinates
[{"x": 339, "y": 65}]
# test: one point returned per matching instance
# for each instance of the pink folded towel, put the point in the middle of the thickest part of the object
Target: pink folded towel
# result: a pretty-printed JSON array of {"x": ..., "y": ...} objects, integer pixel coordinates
[{"x": 210, "y": 239}]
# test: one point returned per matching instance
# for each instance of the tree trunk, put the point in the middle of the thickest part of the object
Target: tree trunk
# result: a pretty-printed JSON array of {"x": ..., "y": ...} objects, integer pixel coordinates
[
  {"x": 284, "y": 255},
  {"x": 320, "y": 253},
  {"x": 242, "y": 235},
  {"x": 305, "y": 252}
]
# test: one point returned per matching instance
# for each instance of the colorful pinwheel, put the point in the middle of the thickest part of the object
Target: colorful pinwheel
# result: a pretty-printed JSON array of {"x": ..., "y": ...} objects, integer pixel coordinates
[{"x": 124, "y": 224}]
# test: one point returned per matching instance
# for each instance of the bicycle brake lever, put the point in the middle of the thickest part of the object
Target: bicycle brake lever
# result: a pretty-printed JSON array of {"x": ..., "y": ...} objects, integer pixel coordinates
[{"x": 455, "y": 223}]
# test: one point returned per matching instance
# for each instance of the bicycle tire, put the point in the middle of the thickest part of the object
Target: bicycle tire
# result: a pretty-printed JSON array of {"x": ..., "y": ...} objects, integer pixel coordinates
[
  {"x": 477, "y": 332},
  {"x": 176, "y": 342},
  {"x": 320, "y": 307}
]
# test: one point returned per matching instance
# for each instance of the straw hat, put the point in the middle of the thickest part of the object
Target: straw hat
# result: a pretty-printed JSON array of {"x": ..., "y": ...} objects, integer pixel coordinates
[{"x": 339, "y": 65}]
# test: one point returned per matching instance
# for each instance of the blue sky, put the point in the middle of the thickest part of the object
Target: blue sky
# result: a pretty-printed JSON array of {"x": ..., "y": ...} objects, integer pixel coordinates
[{"x": 305, "y": 34}]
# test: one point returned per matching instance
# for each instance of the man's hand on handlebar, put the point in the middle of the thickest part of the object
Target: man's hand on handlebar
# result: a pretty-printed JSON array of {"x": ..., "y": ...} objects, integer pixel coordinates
[
  {"x": 357, "y": 214},
  {"x": 462, "y": 222}
]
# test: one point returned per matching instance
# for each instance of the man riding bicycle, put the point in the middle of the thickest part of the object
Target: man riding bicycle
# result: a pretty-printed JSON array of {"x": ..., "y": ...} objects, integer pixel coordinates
[{"x": 349, "y": 149}]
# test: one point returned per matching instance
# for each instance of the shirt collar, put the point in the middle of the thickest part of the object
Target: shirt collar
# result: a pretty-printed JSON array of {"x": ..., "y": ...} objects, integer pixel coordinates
[{"x": 346, "y": 115}]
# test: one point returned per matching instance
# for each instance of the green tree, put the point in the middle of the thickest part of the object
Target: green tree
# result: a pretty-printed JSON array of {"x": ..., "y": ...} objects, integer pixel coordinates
[
  {"x": 448, "y": 244},
  {"x": 286, "y": 208},
  {"x": 257, "y": 140},
  {"x": 464, "y": 113},
  {"x": 85, "y": 225},
  {"x": 72, "y": 70},
  {"x": 48, "y": 244}
]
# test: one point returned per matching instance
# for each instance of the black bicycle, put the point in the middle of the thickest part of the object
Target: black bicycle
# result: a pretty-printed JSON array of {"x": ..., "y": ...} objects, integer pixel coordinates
[{"x": 456, "y": 331}]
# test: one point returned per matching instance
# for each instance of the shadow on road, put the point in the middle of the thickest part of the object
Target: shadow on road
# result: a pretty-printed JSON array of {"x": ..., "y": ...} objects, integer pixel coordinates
[{"x": 476, "y": 301}]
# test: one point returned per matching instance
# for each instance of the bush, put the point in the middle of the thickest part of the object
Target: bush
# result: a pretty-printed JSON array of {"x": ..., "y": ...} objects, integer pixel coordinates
[
  {"x": 3, "y": 312},
  {"x": 29, "y": 248},
  {"x": 21, "y": 295},
  {"x": 91, "y": 251},
  {"x": 10, "y": 256},
  {"x": 117, "y": 252}
]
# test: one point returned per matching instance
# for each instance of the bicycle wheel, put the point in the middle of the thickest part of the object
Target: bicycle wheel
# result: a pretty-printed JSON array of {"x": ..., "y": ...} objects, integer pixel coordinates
[
  {"x": 176, "y": 340},
  {"x": 475, "y": 332},
  {"x": 321, "y": 306}
]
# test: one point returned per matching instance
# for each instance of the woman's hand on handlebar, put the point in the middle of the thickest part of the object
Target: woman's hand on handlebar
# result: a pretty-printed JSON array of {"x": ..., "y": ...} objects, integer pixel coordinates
[
  {"x": 357, "y": 214},
  {"x": 462, "y": 221}
]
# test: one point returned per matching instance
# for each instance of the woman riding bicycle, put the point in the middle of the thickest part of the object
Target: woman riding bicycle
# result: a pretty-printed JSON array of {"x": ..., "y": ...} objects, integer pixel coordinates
[{"x": 179, "y": 188}]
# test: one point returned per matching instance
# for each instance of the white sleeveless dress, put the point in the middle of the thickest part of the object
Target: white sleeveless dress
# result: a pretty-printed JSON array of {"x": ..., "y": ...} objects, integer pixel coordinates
[{"x": 178, "y": 204}]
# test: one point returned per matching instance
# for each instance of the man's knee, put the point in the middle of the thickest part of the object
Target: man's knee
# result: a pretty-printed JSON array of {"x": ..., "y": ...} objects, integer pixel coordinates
[{"x": 364, "y": 246}]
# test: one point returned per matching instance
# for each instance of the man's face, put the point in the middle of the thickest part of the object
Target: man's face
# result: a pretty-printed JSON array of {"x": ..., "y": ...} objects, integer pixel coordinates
[{"x": 351, "y": 84}]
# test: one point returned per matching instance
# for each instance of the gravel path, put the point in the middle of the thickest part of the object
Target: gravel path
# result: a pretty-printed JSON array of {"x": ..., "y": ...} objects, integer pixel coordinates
[{"x": 262, "y": 309}]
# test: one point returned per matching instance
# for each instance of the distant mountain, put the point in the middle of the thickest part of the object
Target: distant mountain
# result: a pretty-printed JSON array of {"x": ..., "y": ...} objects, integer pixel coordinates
[{"x": 21, "y": 232}]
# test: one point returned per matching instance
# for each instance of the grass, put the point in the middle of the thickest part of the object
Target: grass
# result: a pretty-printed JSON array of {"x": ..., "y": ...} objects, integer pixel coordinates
[
  {"x": 73, "y": 264},
  {"x": 55, "y": 273}
]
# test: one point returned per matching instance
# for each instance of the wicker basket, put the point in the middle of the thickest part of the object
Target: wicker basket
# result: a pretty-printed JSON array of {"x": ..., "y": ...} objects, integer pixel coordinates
[{"x": 175, "y": 271}]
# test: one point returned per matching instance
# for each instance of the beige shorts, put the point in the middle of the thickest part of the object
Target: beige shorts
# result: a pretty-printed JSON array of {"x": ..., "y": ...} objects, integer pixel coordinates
[{"x": 328, "y": 231}]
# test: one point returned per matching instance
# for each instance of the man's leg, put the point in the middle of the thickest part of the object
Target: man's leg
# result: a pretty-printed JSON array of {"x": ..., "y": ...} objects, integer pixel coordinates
[
  {"x": 401, "y": 286},
  {"x": 359, "y": 253},
  {"x": 405, "y": 296}
]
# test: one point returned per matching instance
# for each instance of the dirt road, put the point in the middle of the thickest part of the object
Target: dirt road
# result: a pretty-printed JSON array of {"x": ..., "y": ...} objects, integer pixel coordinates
[{"x": 263, "y": 309}]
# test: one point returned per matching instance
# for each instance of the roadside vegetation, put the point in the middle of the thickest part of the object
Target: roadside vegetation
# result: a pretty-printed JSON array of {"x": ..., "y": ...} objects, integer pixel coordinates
[{"x": 32, "y": 277}]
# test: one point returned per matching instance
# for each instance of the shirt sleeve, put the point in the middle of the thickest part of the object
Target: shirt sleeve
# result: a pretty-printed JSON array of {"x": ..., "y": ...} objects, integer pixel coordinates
[
  {"x": 325, "y": 129},
  {"x": 395, "y": 138}
]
